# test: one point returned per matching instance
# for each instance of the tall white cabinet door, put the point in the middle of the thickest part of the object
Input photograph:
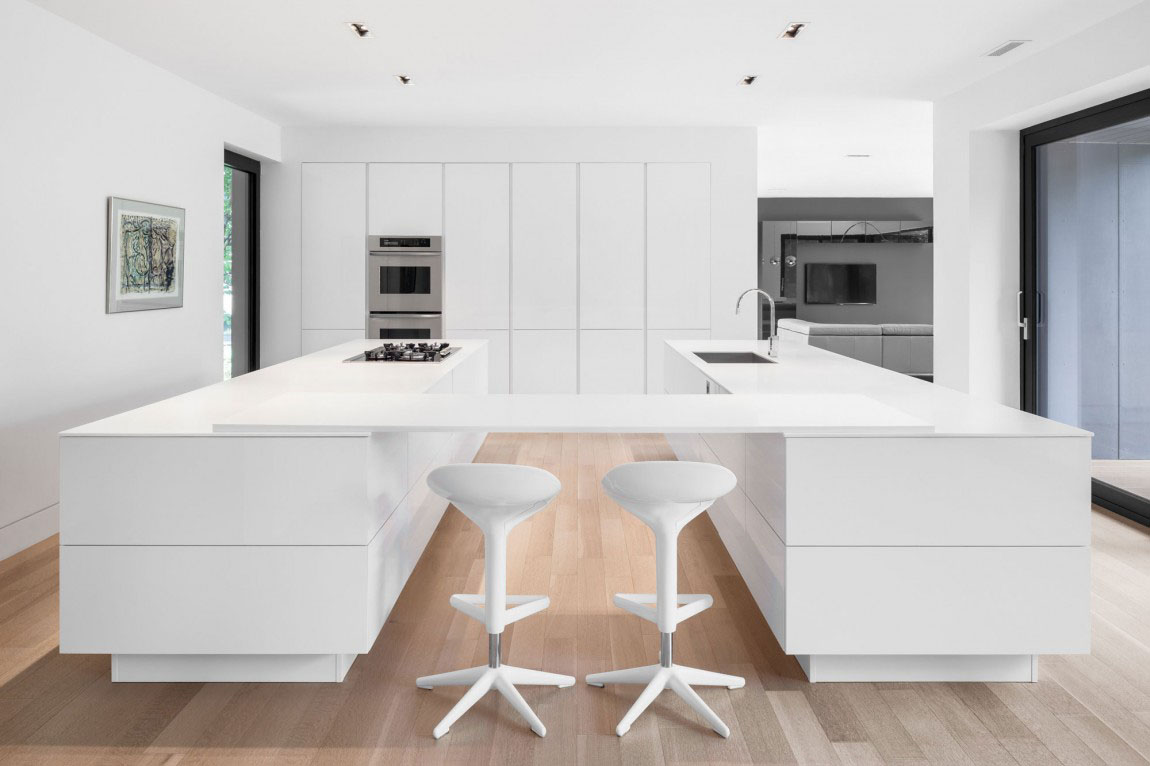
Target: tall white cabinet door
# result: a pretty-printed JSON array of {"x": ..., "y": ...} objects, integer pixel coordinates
[
  {"x": 405, "y": 198},
  {"x": 611, "y": 362},
  {"x": 543, "y": 223},
  {"x": 498, "y": 355},
  {"x": 476, "y": 241},
  {"x": 334, "y": 245},
  {"x": 678, "y": 245},
  {"x": 543, "y": 362},
  {"x": 611, "y": 245},
  {"x": 317, "y": 340},
  {"x": 656, "y": 354}
]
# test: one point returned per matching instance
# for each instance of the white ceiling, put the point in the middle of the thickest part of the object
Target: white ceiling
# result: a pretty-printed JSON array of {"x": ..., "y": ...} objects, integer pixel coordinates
[{"x": 598, "y": 62}]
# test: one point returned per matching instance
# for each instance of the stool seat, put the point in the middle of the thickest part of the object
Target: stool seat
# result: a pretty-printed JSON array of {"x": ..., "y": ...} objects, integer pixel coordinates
[
  {"x": 495, "y": 497},
  {"x": 669, "y": 482},
  {"x": 666, "y": 495},
  {"x": 494, "y": 487}
]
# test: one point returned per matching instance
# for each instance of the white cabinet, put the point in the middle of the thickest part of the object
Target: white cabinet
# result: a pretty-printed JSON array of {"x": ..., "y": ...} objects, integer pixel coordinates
[
  {"x": 543, "y": 246},
  {"x": 476, "y": 216},
  {"x": 498, "y": 355},
  {"x": 543, "y": 362},
  {"x": 611, "y": 362},
  {"x": 657, "y": 353},
  {"x": 611, "y": 245},
  {"x": 333, "y": 245},
  {"x": 678, "y": 245},
  {"x": 405, "y": 198},
  {"x": 318, "y": 340}
]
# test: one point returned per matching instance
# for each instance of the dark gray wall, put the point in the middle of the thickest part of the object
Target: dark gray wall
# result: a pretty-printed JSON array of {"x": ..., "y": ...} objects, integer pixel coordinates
[
  {"x": 905, "y": 276},
  {"x": 846, "y": 209}
]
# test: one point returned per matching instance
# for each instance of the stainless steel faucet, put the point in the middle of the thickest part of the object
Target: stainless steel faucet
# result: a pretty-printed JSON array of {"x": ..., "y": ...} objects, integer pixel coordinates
[{"x": 772, "y": 337}]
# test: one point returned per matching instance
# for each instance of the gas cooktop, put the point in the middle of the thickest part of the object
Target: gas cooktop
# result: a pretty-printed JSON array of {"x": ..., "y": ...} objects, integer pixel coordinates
[{"x": 435, "y": 351}]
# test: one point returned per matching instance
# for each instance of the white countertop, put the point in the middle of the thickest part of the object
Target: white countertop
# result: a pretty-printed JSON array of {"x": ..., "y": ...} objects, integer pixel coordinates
[
  {"x": 821, "y": 414},
  {"x": 195, "y": 412},
  {"x": 808, "y": 369},
  {"x": 809, "y": 391}
]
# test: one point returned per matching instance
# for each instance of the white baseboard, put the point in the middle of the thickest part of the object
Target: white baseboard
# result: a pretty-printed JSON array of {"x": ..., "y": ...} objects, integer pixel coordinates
[
  {"x": 1012, "y": 668},
  {"x": 26, "y": 532},
  {"x": 235, "y": 668}
]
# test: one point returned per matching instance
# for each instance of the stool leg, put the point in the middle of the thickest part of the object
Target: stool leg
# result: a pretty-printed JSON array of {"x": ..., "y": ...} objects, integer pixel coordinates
[
  {"x": 657, "y": 684},
  {"x": 629, "y": 676},
  {"x": 470, "y": 697},
  {"x": 516, "y": 699},
  {"x": 697, "y": 677},
  {"x": 530, "y": 677},
  {"x": 451, "y": 678},
  {"x": 696, "y": 702}
]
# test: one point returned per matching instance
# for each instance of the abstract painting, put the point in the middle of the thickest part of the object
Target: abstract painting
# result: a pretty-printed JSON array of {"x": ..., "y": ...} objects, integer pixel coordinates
[{"x": 145, "y": 256}]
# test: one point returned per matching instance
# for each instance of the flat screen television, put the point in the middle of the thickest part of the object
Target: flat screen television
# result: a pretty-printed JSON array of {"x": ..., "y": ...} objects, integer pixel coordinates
[{"x": 841, "y": 283}]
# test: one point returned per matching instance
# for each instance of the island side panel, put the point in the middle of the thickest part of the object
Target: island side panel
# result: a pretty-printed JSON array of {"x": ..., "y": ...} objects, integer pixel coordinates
[{"x": 265, "y": 558}]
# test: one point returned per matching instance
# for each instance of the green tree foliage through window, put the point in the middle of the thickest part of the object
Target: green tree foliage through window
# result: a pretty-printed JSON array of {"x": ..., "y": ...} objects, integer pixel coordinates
[{"x": 227, "y": 272}]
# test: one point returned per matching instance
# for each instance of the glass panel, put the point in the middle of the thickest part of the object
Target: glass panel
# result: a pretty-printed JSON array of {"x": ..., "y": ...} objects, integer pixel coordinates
[
  {"x": 228, "y": 177},
  {"x": 394, "y": 334},
  {"x": 404, "y": 280},
  {"x": 1093, "y": 277}
]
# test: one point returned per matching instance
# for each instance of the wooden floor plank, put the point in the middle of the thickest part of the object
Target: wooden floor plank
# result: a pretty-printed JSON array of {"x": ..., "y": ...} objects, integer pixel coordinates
[{"x": 1094, "y": 709}]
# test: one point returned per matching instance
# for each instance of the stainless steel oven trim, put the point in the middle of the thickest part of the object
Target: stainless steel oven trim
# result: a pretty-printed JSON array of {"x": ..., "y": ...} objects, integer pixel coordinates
[
  {"x": 433, "y": 323},
  {"x": 435, "y": 248}
]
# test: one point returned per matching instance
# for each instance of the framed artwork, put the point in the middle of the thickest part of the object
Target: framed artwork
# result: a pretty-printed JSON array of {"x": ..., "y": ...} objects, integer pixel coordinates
[{"x": 145, "y": 256}]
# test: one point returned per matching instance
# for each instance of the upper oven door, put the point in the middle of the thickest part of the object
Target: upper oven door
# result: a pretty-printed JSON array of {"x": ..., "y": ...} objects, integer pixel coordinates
[{"x": 399, "y": 282}]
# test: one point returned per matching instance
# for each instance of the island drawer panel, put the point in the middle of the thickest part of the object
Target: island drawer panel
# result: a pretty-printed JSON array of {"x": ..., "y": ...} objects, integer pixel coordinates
[
  {"x": 184, "y": 599},
  {"x": 937, "y": 600},
  {"x": 937, "y": 491},
  {"x": 766, "y": 483},
  {"x": 229, "y": 490},
  {"x": 423, "y": 447}
]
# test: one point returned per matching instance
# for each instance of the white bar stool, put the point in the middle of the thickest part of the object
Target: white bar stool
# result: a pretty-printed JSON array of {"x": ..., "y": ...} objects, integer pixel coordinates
[
  {"x": 665, "y": 495},
  {"x": 495, "y": 497}
]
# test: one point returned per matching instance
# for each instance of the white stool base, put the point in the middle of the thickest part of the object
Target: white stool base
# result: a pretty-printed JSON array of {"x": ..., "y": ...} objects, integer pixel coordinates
[
  {"x": 679, "y": 679},
  {"x": 503, "y": 679}
]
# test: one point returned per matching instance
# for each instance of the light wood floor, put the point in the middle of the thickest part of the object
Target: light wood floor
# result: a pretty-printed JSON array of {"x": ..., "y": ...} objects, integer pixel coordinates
[
  {"x": 62, "y": 709},
  {"x": 1130, "y": 475}
]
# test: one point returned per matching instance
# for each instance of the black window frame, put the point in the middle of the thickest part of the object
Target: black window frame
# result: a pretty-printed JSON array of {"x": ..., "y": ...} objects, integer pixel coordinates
[
  {"x": 1132, "y": 107},
  {"x": 252, "y": 167}
]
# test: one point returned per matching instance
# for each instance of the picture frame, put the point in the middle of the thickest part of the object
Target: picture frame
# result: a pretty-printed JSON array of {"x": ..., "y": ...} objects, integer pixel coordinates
[{"x": 145, "y": 268}]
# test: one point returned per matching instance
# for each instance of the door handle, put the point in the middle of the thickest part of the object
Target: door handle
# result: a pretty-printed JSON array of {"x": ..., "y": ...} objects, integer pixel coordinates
[{"x": 1023, "y": 322}]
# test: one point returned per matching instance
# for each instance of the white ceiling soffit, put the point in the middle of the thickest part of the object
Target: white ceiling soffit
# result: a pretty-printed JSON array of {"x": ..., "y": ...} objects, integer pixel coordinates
[
  {"x": 808, "y": 154},
  {"x": 858, "y": 79},
  {"x": 591, "y": 62}
]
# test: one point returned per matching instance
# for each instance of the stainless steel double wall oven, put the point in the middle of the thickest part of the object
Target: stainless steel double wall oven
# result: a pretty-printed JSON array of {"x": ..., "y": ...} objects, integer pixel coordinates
[{"x": 404, "y": 287}]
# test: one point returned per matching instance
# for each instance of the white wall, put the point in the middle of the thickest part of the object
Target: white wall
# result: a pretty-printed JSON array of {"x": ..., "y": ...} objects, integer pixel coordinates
[
  {"x": 84, "y": 120},
  {"x": 976, "y": 197},
  {"x": 730, "y": 151}
]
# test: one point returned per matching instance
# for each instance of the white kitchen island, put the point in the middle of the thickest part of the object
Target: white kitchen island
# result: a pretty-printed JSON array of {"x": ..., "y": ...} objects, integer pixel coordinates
[{"x": 262, "y": 528}]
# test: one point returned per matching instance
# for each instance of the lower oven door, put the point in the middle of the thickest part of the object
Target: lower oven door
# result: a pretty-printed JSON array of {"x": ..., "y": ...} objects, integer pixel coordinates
[{"x": 405, "y": 326}]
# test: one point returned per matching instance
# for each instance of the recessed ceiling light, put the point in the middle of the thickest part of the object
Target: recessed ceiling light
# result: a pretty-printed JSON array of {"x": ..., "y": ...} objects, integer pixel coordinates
[
  {"x": 360, "y": 29},
  {"x": 403, "y": 79},
  {"x": 792, "y": 30},
  {"x": 858, "y": 156},
  {"x": 750, "y": 79},
  {"x": 1006, "y": 47}
]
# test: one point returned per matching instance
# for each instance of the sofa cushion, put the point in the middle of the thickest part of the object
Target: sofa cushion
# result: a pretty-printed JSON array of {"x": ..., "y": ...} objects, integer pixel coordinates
[
  {"x": 907, "y": 329},
  {"x": 819, "y": 328}
]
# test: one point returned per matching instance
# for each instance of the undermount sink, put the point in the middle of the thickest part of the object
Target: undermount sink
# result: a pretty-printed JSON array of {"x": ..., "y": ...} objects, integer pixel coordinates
[{"x": 733, "y": 357}]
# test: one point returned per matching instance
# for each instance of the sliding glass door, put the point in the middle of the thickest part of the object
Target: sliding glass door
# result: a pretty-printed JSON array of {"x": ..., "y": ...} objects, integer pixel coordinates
[{"x": 1085, "y": 302}]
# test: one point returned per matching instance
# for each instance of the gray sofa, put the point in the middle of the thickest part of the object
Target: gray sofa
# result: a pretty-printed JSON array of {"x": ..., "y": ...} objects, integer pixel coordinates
[{"x": 907, "y": 348}]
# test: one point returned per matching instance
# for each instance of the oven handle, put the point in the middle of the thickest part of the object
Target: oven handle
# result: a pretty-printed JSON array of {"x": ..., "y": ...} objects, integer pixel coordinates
[
  {"x": 392, "y": 253},
  {"x": 402, "y": 315}
]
